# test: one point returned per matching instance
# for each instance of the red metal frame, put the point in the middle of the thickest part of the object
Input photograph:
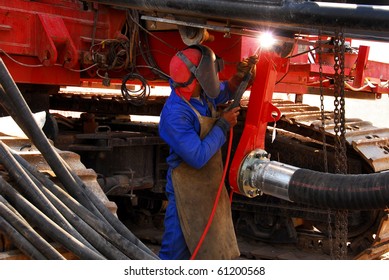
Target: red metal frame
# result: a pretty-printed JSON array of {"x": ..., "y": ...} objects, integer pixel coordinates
[
  {"x": 55, "y": 34},
  {"x": 260, "y": 110}
]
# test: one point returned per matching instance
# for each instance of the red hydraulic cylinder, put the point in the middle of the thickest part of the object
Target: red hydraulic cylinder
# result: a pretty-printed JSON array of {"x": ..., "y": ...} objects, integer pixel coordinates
[{"x": 260, "y": 110}]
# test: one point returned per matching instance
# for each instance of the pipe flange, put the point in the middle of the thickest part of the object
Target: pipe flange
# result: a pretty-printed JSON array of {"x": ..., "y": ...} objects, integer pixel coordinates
[{"x": 253, "y": 162}]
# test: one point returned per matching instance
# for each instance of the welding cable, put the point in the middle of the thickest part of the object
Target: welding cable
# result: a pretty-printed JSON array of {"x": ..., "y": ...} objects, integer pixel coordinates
[
  {"x": 130, "y": 248},
  {"x": 28, "y": 232},
  {"x": 47, "y": 226},
  {"x": 28, "y": 188},
  {"x": 221, "y": 186},
  {"x": 21, "y": 242},
  {"x": 24, "y": 118}
]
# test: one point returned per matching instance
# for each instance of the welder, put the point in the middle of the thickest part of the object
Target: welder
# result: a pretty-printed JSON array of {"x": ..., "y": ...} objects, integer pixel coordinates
[{"x": 195, "y": 133}]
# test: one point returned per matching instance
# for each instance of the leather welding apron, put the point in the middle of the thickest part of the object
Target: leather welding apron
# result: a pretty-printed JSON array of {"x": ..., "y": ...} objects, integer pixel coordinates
[{"x": 195, "y": 191}]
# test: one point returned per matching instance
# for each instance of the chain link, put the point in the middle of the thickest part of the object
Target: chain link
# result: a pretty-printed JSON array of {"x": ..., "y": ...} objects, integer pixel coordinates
[
  {"x": 339, "y": 105},
  {"x": 341, "y": 216},
  {"x": 323, "y": 124}
]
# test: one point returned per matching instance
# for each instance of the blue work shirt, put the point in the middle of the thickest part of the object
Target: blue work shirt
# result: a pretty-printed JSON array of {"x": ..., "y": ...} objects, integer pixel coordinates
[{"x": 179, "y": 127}]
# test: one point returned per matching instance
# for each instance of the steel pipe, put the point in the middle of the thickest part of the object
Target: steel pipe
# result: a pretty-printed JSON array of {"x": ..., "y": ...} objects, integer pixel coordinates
[{"x": 359, "y": 20}]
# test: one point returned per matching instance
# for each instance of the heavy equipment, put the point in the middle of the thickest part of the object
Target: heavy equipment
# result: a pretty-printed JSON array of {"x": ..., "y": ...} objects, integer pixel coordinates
[{"x": 86, "y": 180}]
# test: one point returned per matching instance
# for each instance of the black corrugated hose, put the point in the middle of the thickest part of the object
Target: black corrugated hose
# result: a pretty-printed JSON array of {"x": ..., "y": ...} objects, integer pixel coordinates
[{"x": 339, "y": 191}]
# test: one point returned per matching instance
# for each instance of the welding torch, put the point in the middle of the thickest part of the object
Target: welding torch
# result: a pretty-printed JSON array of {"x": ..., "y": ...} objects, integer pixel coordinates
[{"x": 244, "y": 84}]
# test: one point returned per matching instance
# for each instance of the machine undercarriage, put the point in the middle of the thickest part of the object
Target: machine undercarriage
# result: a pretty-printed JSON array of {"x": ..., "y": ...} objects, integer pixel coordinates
[{"x": 117, "y": 54}]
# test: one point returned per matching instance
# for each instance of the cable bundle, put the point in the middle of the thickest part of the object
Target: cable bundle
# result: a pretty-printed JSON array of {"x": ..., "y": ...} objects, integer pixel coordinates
[{"x": 73, "y": 217}]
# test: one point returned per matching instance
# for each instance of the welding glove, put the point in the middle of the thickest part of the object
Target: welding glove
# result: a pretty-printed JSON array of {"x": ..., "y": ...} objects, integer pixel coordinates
[{"x": 242, "y": 69}]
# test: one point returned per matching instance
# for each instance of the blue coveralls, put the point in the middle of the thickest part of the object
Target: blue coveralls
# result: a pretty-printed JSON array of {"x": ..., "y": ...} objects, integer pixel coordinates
[{"x": 179, "y": 127}]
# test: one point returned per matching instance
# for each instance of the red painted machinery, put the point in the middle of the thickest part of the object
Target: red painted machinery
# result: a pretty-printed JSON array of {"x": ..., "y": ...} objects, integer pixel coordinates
[{"x": 294, "y": 165}]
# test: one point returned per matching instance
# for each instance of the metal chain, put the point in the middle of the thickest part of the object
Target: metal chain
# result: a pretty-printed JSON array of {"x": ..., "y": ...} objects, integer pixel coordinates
[
  {"x": 341, "y": 216},
  {"x": 339, "y": 103},
  {"x": 323, "y": 124}
]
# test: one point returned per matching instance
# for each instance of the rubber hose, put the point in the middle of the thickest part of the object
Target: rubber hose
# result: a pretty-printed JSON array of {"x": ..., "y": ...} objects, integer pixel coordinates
[
  {"x": 339, "y": 191},
  {"x": 29, "y": 189},
  {"x": 26, "y": 121},
  {"x": 114, "y": 221},
  {"x": 21, "y": 242},
  {"x": 28, "y": 233},
  {"x": 47, "y": 226},
  {"x": 119, "y": 226},
  {"x": 99, "y": 242},
  {"x": 82, "y": 229},
  {"x": 102, "y": 226},
  {"x": 73, "y": 185}
]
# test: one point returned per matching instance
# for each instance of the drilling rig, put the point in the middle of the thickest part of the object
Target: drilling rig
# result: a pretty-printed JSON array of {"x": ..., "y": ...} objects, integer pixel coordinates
[{"x": 86, "y": 180}]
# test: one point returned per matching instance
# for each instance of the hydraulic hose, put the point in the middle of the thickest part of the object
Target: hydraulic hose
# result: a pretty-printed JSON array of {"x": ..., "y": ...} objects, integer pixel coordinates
[
  {"x": 339, "y": 191},
  {"x": 361, "y": 21},
  {"x": 28, "y": 233},
  {"x": 258, "y": 175},
  {"x": 77, "y": 227}
]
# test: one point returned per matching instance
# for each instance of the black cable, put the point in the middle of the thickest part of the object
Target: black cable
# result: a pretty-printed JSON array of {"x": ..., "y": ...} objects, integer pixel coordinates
[
  {"x": 28, "y": 233},
  {"x": 21, "y": 242},
  {"x": 47, "y": 226},
  {"x": 137, "y": 97},
  {"x": 30, "y": 190},
  {"x": 23, "y": 116},
  {"x": 99, "y": 242},
  {"x": 113, "y": 230}
]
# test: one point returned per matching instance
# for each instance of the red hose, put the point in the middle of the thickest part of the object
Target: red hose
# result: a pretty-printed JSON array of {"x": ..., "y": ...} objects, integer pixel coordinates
[{"x": 221, "y": 186}]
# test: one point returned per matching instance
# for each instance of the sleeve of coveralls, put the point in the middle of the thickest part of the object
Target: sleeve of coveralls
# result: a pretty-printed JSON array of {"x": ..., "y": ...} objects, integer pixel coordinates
[{"x": 177, "y": 130}]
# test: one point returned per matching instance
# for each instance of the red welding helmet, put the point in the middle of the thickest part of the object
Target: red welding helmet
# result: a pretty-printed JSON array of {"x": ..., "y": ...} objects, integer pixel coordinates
[{"x": 196, "y": 62}]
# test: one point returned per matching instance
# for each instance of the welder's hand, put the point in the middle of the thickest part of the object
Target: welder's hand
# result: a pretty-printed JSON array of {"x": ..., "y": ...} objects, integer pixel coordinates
[
  {"x": 245, "y": 65},
  {"x": 231, "y": 116}
]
